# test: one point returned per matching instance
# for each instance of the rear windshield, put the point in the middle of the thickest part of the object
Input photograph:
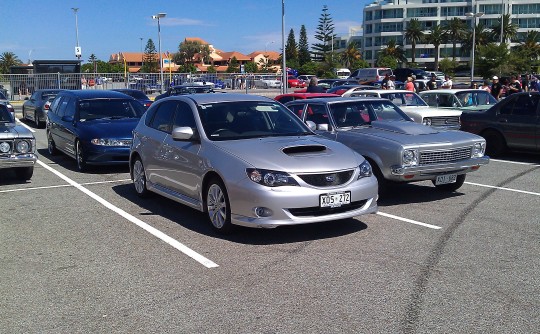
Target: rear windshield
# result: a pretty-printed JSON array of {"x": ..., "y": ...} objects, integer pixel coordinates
[{"x": 382, "y": 73}]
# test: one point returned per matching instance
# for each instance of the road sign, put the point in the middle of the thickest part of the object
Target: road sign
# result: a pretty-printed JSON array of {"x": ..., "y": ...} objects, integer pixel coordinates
[{"x": 78, "y": 51}]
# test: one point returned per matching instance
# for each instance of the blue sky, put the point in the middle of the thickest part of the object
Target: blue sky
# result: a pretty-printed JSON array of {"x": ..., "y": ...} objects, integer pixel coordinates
[{"x": 45, "y": 29}]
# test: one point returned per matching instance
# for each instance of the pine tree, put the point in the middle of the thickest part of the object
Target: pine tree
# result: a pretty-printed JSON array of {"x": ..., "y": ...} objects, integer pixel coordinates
[
  {"x": 324, "y": 34},
  {"x": 291, "y": 49},
  {"x": 150, "y": 58},
  {"x": 303, "y": 47}
]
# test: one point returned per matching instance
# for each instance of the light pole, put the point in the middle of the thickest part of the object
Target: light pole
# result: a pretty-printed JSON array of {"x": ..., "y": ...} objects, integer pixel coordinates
[
  {"x": 473, "y": 16},
  {"x": 284, "y": 81},
  {"x": 157, "y": 17},
  {"x": 77, "y": 48}
]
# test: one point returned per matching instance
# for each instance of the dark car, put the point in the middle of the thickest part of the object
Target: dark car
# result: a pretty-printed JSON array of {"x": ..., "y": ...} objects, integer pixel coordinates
[
  {"x": 137, "y": 95},
  {"x": 35, "y": 107},
  {"x": 185, "y": 90},
  {"x": 511, "y": 124},
  {"x": 92, "y": 126},
  {"x": 17, "y": 146},
  {"x": 402, "y": 73}
]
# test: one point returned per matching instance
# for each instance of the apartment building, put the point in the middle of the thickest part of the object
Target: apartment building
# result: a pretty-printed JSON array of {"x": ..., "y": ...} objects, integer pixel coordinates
[{"x": 386, "y": 20}]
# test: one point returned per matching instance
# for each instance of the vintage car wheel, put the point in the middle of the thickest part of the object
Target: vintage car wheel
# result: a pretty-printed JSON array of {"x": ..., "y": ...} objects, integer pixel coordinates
[
  {"x": 217, "y": 206},
  {"x": 139, "y": 178},
  {"x": 79, "y": 156},
  {"x": 51, "y": 146},
  {"x": 451, "y": 186},
  {"x": 384, "y": 184},
  {"x": 24, "y": 173},
  {"x": 495, "y": 143}
]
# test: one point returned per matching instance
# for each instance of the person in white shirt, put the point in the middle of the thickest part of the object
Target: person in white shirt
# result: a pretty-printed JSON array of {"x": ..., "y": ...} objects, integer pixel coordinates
[
  {"x": 391, "y": 83},
  {"x": 447, "y": 83}
]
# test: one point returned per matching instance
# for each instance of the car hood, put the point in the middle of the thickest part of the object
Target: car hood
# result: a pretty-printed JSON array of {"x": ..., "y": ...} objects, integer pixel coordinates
[
  {"x": 292, "y": 154},
  {"x": 430, "y": 111},
  {"x": 412, "y": 134},
  {"x": 12, "y": 130},
  {"x": 104, "y": 128}
]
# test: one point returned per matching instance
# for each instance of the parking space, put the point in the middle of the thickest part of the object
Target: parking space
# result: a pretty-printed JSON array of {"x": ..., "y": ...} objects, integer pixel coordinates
[{"x": 82, "y": 253}]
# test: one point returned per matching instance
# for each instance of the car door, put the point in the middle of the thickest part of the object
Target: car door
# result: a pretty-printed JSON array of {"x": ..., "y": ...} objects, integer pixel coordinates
[
  {"x": 519, "y": 121},
  {"x": 182, "y": 167},
  {"x": 56, "y": 125},
  {"x": 67, "y": 126},
  {"x": 30, "y": 106}
]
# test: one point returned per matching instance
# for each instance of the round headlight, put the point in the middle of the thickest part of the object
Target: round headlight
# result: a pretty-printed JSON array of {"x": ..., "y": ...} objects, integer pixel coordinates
[
  {"x": 23, "y": 146},
  {"x": 409, "y": 157},
  {"x": 426, "y": 121},
  {"x": 4, "y": 147}
]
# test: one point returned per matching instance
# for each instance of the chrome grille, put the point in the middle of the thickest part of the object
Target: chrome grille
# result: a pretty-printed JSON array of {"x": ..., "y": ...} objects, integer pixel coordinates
[
  {"x": 327, "y": 179},
  {"x": 442, "y": 156},
  {"x": 445, "y": 121}
]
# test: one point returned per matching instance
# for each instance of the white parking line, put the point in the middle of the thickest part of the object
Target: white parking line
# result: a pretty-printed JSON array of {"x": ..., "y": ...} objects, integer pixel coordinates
[
  {"x": 503, "y": 188},
  {"x": 62, "y": 185},
  {"x": 26, "y": 126},
  {"x": 409, "y": 220},
  {"x": 155, "y": 232},
  {"x": 516, "y": 162}
]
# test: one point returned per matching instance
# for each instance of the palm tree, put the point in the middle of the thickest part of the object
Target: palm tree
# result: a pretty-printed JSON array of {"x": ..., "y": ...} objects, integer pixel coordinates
[
  {"x": 509, "y": 30},
  {"x": 8, "y": 59},
  {"x": 414, "y": 34},
  {"x": 482, "y": 37},
  {"x": 394, "y": 51},
  {"x": 351, "y": 55},
  {"x": 436, "y": 36},
  {"x": 456, "y": 30},
  {"x": 531, "y": 44}
]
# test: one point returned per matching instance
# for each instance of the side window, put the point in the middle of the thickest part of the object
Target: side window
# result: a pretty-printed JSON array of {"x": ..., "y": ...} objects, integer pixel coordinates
[
  {"x": 297, "y": 109},
  {"x": 163, "y": 117},
  {"x": 431, "y": 100},
  {"x": 55, "y": 104},
  {"x": 525, "y": 106},
  {"x": 317, "y": 114},
  {"x": 184, "y": 116},
  {"x": 69, "y": 109},
  {"x": 62, "y": 107}
]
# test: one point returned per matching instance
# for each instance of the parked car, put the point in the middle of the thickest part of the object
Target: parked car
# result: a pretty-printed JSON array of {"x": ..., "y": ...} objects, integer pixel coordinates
[
  {"x": 403, "y": 73},
  {"x": 17, "y": 146},
  {"x": 267, "y": 81},
  {"x": 184, "y": 90},
  {"x": 306, "y": 77},
  {"x": 137, "y": 95},
  {"x": 284, "y": 98},
  {"x": 294, "y": 82},
  {"x": 462, "y": 99},
  {"x": 363, "y": 75},
  {"x": 35, "y": 109},
  {"x": 4, "y": 101},
  {"x": 247, "y": 160},
  {"x": 378, "y": 84},
  {"x": 414, "y": 107},
  {"x": 399, "y": 149},
  {"x": 92, "y": 126},
  {"x": 511, "y": 124}
]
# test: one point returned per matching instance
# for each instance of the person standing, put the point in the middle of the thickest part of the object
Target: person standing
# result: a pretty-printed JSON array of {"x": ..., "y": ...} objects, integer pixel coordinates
[
  {"x": 514, "y": 86},
  {"x": 447, "y": 83},
  {"x": 485, "y": 86},
  {"x": 496, "y": 88},
  {"x": 384, "y": 84},
  {"x": 313, "y": 86},
  {"x": 432, "y": 84},
  {"x": 409, "y": 85},
  {"x": 391, "y": 83}
]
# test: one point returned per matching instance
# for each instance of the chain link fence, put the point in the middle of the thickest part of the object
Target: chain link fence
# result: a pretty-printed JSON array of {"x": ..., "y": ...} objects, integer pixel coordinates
[{"x": 18, "y": 86}]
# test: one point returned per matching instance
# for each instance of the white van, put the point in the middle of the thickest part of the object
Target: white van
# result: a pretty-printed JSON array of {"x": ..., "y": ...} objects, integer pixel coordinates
[
  {"x": 342, "y": 73},
  {"x": 370, "y": 74}
]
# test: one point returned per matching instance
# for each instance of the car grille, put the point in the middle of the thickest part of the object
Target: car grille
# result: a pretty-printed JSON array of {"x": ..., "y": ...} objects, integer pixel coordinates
[
  {"x": 327, "y": 179},
  {"x": 442, "y": 156},
  {"x": 445, "y": 121},
  {"x": 316, "y": 211}
]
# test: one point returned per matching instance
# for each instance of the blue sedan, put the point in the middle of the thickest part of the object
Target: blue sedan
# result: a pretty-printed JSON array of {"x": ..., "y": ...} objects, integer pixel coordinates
[{"x": 92, "y": 126}]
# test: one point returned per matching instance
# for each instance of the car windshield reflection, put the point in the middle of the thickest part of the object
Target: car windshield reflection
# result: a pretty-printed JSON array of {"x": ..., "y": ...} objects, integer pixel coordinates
[
  {"x": 475, "y": 98},
  {"x": 109, "y": 109},
  {"x": 360, "y": 113},
  {"x": 247, "y": 119}
]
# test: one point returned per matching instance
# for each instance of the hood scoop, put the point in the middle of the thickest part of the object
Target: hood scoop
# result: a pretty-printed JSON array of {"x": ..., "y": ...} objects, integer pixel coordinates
[
  {"x": 406, "y": 128},
  {"x": 303, "y": 149}
]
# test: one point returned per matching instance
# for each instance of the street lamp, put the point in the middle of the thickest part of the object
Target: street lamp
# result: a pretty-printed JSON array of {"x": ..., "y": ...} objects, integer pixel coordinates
[
  {"x": 77, "y": 48},
  {"x": 283, "y": 58},
  {"x": 157, "y": 17},
  {"x": 473, "y": 16}
]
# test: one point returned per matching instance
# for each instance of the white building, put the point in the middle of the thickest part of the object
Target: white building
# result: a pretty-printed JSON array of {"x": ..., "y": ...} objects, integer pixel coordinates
[{"x": 386, "y": 20}]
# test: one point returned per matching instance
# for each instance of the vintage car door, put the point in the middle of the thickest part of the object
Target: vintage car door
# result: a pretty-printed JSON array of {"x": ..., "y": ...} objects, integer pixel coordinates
[{"x": 518, "y": 119}]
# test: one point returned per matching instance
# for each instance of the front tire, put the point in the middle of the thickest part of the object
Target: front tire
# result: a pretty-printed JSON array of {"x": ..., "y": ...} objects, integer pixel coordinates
[
  {"x": 138, "y": 176},
  {"x": 80, "y": 157},
  {"x": 495, "y": 143},
  {"x": 217, "y": 206},
  {"x": 450, "y": 187},
  {"x": 51, "y": 146},
  {"x": 24, "y": 173}
]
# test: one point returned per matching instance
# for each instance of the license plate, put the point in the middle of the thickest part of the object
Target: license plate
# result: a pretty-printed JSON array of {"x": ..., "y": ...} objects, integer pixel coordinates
[
  {"x": 444, "y": 179},
  {"x": 335, "y": 200}
]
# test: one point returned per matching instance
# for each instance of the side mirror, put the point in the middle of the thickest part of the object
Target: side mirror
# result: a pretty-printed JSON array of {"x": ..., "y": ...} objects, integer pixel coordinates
[
  {"x": 312, "y": 126},
  {"x": 322, "y": 127},
  {"x": 184, "y": 133}
]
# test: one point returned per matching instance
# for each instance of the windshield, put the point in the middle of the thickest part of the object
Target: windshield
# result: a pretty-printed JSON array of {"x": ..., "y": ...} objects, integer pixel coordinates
[
  {"x": 359, "y": 113},
  {"x": 5, "y": 115},
  {"x": 109, "y": 108},
  {"x": 2, "y": 96},
  {"x": 475, "y": 98},
  {"x": 249, "y": 119},
  {"x": 404, "y": 99}
]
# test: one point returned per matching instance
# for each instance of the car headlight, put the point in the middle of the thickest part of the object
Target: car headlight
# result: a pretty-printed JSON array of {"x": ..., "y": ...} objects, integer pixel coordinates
[
  {"x": 10, "y": 107},
  {"x": 270, "y": 178},
  {"x": 23, "y": 146},
  {"x": 426, "y": 121},
  {"x": 4, "y": 147},
  {"x": 111, "y": 142},
  {"x": 478, "y": 150},
  {"x": 365, "y": 170},
  {"x": 410, "y": 157}
]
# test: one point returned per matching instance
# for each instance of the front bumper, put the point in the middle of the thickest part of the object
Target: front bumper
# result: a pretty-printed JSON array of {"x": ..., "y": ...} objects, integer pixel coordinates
[
  {"x": 19, "y": 160},
  {"x": 106, "y": 155},
  {"x": 430, "y": 172}
]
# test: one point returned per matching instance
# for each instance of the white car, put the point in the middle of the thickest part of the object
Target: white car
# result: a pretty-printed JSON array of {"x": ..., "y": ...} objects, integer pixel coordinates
[
  {"x": 416, "y": 108},
  {"x": 264, "y": 81}
]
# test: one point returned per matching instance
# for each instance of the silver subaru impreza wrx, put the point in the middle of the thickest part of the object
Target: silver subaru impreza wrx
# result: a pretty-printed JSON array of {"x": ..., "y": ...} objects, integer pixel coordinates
[{"x": 247, "y": 160}]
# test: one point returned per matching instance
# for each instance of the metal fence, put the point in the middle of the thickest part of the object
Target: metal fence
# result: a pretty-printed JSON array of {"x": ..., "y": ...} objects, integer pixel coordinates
[{"x": 19, "y": 86}]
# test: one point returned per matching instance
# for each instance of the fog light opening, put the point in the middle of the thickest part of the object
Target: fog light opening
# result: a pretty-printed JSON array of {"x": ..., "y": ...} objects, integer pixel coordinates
[
  {"x": 408, "y": 176},
  {"x": 262, "y": 211}
]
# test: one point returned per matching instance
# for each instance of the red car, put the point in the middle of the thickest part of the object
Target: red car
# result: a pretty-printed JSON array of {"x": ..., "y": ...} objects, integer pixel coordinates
[{"x": 295, "y": 82}]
